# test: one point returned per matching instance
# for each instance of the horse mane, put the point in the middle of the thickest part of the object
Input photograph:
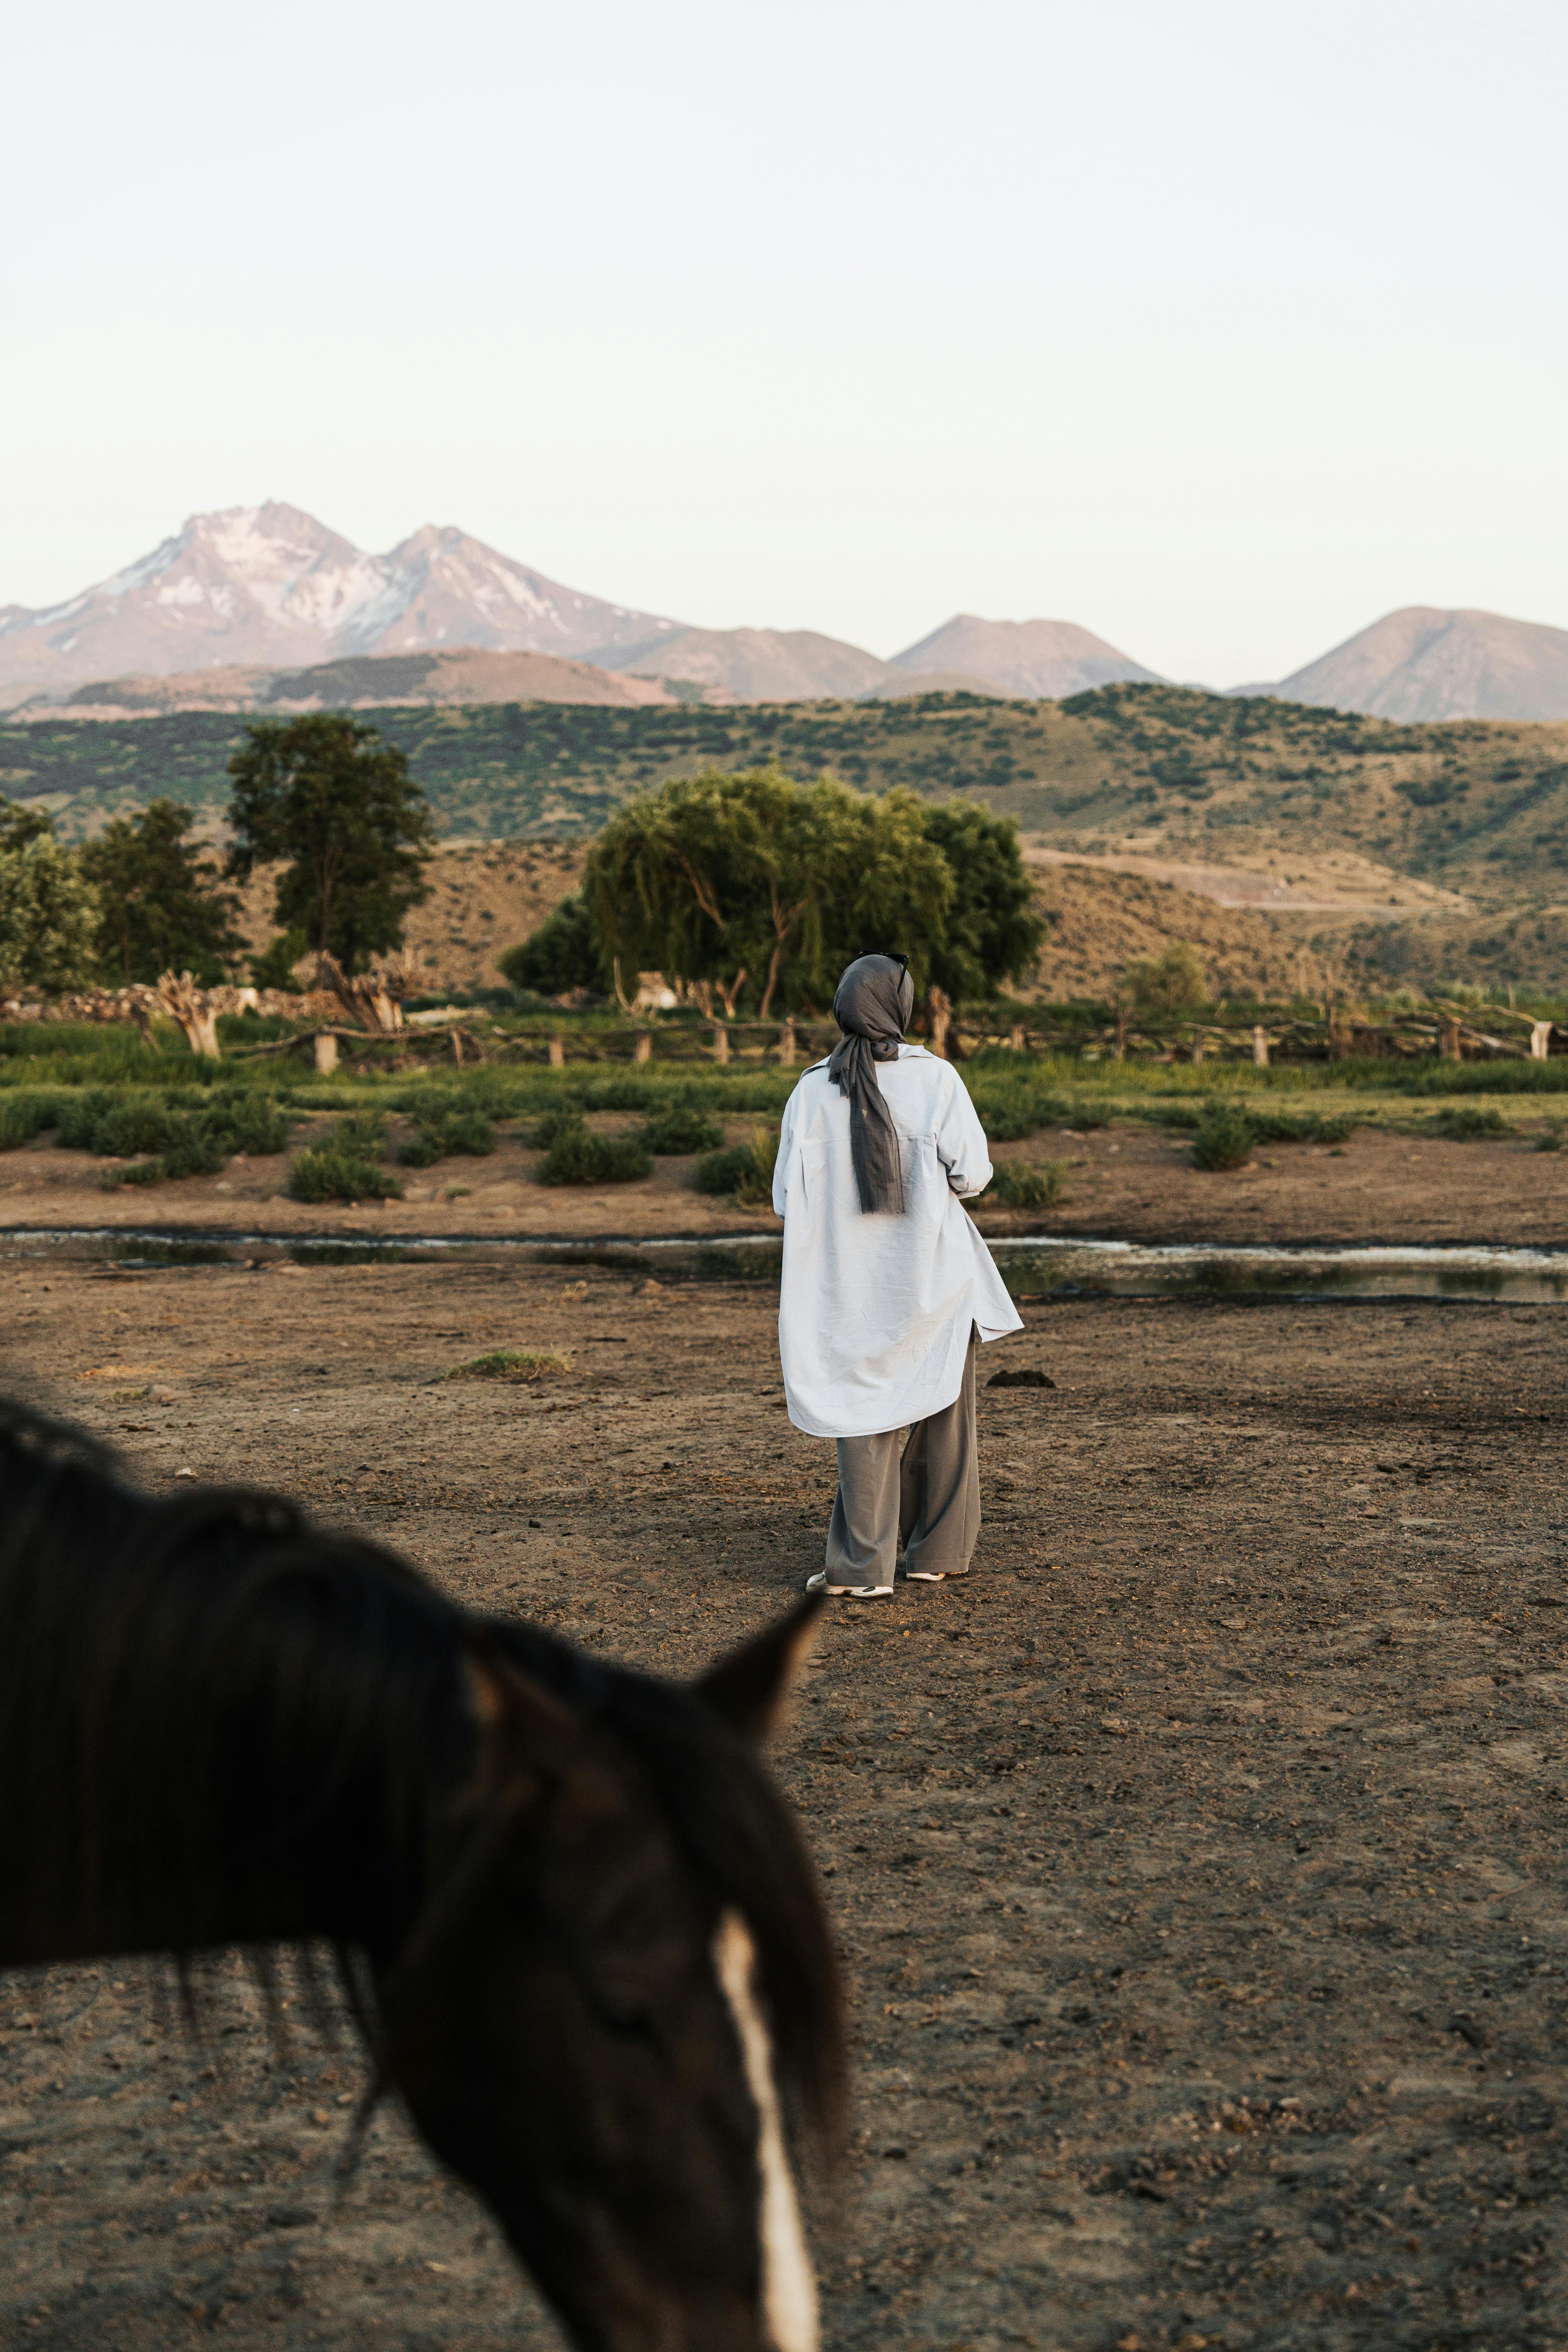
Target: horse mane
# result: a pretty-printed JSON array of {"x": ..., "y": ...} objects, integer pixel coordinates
[
  {"x": 319, "y": 1677},
  {"x": 736, "y": 1831}
]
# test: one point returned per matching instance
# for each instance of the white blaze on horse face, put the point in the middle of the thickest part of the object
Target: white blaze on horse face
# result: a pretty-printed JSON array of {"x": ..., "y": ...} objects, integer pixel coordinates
[{"x": 789, "y": 2283}]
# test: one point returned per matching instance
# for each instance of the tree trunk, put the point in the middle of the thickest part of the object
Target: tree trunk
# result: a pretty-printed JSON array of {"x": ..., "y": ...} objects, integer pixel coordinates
[
  {"x": 732, "y": 992},
  {"x": 774, "y": 961},
  {"x": 1540, "y": 1040},
  {"x": 194, "y": 1009},
  {"x": 939, "y": 1005}
]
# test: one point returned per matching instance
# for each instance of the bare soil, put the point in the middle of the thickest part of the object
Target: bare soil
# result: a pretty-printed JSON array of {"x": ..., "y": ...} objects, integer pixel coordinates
[
  {"x": 1198, "y": 1866},
  {"x": 1123, "y": 1181}
]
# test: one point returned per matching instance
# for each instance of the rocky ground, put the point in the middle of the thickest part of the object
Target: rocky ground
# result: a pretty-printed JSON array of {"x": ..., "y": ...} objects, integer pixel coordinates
[{"x": 1198, "y": 1867}]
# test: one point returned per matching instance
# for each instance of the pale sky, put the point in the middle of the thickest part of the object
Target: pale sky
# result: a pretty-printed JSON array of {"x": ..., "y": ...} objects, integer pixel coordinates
[{"x": 1219, "y": 328}]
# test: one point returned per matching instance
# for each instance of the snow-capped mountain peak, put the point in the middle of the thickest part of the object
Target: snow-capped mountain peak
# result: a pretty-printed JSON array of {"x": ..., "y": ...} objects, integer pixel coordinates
[{"x": 271, "y": 584}]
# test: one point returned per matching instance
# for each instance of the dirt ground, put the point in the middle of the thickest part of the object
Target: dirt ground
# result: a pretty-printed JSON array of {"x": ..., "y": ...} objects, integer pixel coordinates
[
  {"x": 1198, "y": 1867},
  {"x": 1122, "y": 1182}
]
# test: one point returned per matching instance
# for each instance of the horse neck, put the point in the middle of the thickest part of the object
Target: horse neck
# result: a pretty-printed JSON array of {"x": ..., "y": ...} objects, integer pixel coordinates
[{"x": 207, "y": 1770}]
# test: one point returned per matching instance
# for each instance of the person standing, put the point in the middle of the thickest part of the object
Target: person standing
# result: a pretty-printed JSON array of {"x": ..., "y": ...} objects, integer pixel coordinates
[{"x": 887, "y": 1287}]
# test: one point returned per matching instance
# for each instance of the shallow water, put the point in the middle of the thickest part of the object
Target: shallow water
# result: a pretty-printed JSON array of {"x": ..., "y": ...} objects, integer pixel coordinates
[{"x": 1034, "y": 1267}]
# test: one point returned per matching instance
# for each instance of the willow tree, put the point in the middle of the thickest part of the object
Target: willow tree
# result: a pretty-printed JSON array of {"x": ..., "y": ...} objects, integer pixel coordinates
[{"x": 725, "y": 880}]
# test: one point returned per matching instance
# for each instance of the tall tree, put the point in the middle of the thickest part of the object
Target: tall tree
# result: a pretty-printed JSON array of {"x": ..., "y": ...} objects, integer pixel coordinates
[
  {"x": 992, "y": 932},
  {"x": 729, "y": 878},
  {"x": 328, "y": 796},
  {"x": 163, "y": 908},
  {"x": 48, "y": 909}
]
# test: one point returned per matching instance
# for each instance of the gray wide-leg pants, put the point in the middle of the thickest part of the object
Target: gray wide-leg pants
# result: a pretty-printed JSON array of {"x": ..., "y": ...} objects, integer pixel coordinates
[{"x": 928, "y": 1495}]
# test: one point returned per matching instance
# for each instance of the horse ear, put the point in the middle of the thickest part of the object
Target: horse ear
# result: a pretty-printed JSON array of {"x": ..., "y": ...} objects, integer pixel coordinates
[
  {"x": 523, "y": 1726},
  {"x": 750, "y": 1688}
]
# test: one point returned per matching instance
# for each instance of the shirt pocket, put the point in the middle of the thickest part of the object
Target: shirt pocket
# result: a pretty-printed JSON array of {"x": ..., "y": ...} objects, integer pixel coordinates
[{"x": 811, "y": 1173}]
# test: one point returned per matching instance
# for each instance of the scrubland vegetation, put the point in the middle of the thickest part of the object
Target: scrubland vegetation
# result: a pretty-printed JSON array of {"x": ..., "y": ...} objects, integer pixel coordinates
[{"x": 162, "y": 1114}]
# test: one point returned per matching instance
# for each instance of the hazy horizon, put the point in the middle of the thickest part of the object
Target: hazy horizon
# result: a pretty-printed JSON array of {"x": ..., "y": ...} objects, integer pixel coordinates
[{"x": 1220, "y": 335}]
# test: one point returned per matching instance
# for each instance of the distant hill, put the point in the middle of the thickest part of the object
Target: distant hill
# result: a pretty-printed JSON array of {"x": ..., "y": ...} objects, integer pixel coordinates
[
  {"x": 1425, "y": 664},
  {"x": 1391, "y": 816},
  {"x": 360, "y": 682},
  {"x": 272, "y": 585},
  {"x": 758, "y": 665},
  {"x": 1026, "y": 658}
]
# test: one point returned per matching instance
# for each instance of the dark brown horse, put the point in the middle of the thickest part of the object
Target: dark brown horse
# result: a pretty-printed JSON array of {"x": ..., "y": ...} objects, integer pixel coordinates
[{"x": 575, "y": 1922}]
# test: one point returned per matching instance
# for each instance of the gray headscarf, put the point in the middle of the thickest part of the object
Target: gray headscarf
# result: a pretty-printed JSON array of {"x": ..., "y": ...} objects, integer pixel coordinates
[{"x": 872, "y": 1006}]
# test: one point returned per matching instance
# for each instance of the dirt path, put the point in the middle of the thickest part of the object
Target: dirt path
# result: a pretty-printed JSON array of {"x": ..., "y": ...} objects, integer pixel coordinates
[{"x": 1199, "y": 1868}]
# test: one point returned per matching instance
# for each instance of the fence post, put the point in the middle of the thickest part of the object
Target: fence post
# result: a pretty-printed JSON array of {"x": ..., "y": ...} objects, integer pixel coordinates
[
  {"x": 941, "y": 1006},
  {"x": 786, "y": 1045},
  {"x": 557, "y": 1052},
  {"x": 326, "y": 1052},
  {"x": 721, "y": 1042},
  {"x": 1198, "y": 1047},
  {"x": 643, "y": 1052},
  {"x": 1019, "y": 1037},
  {"x": 1540, "y": 1040},
  {"x": 1259, "y": 1047},
  {"x": 1449, "y": 1047}
]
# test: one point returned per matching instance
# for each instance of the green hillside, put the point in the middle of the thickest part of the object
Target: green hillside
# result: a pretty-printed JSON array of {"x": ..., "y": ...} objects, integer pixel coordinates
[{"x": 1476, "y": 807}]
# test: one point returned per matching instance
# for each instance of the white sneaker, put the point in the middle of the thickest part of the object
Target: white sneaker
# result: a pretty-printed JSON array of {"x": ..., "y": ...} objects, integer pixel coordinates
[
  {"x": 818, "y": 1583},
  {"x": 925, "y": 1576}
]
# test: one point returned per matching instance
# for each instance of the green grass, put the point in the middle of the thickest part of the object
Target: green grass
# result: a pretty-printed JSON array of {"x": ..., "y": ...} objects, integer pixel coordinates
[
  {"x": 1462, "y": 1122},
  {"x": 1019, "y": 1186},
  {"x": 513, "y": 1364},
  {"x": 186, "y": 1134}
]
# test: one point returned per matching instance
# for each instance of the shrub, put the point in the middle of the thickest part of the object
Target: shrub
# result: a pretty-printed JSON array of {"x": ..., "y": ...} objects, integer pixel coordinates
[
  {"x": 446, "y": 1134},
  {"x": 192, "y": 1148},
  {"x": 1018, "y": 1186},
  {"x": 543, "y": 1132},
  {"x": 1223, "y": 1137},
  {"x": 1551, "y": 1140},
  {"x": 513, "y": 1364},
  {"x": 78, "y": 1118},
  {"x": 576, "y": 1156},
  {"x": 1462, "y": 1122},
  {"x": 343, "y": 1167},
  {"x": 745, "y": 1172},
  {"x": 24, "y": 1115},
  {"x": 255, "y": 1124},
  {"x": 138, "y": 1171},
  {"x": 681, "y": 1129},
  {"x": 725, "y": 1171}
]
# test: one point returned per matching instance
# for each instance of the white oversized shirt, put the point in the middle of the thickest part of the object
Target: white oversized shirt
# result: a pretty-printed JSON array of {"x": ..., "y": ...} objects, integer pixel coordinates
[{"x": 875, "y": 1310}]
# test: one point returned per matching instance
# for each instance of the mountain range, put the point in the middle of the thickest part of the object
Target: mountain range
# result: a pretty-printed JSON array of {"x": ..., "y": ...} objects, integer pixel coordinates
[
  {"x": 263, "y": 607},
  {"x": 255, "y": 591}
]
